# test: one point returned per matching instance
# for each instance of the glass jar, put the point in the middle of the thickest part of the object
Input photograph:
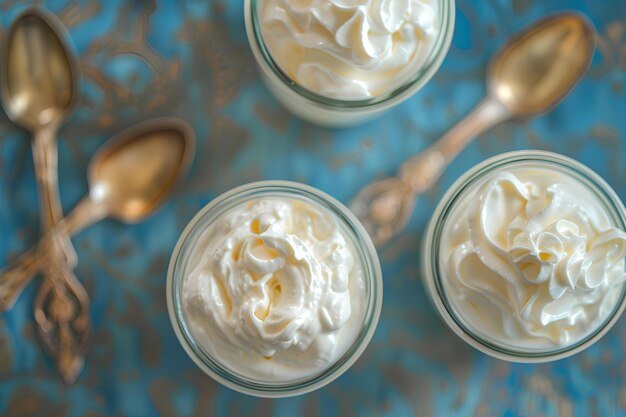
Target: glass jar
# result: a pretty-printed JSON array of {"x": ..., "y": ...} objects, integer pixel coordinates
[
  {"x": 433, "y": 266},
  {"x": 331, "y": 112},
  {"x": 180, "y": 263}
]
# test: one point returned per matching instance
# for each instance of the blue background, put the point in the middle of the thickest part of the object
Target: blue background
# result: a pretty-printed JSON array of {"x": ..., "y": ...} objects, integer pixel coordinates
[{"x": 190, "y": 58}]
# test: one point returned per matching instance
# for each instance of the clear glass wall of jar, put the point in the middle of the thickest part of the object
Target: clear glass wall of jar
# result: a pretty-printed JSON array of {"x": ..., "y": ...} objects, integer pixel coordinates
[
  {"x": 340, "y": 113},
  {"x": 434, "y": 264},
  {"x": 180, "y": 264}
]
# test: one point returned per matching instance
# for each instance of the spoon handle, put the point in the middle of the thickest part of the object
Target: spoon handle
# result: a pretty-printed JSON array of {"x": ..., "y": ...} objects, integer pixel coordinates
[
  {"x": 46, "y": 172},
  {"x": 62, "y": 304},
  {"x": 62, "y": 311},
  {"x": 421, "y": 171},
  {"x": 14, "y": 279},
  {"x": 385, "y": 207}
]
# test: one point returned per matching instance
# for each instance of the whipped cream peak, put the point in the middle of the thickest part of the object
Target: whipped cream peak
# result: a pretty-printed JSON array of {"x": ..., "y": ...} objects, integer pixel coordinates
[
  {"x": 349, "y": 49},
  {"x": 276, "y": 284},
  {"x": 535, "y": 260}
]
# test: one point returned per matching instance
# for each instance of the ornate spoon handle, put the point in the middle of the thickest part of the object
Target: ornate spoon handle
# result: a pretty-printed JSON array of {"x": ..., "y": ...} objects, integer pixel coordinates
[
  {"x": 421, "y": 171},
  {"x": 62, "y": 313},
  {"x": 62, "y": 304},
  {"x": 384, "y": 207},
  {"x": 15, "y": 278}
]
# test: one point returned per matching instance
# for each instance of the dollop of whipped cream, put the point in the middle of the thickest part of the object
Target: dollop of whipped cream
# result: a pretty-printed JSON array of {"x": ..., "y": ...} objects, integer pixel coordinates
[
  {"x": 275, "y": 291},
  {"x": 349, "y": 49},
  {"x": 533, "y": 261}
]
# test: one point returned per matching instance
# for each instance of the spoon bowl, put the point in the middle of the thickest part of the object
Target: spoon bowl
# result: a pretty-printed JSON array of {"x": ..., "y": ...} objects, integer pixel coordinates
[
  {"x": 540, "y": 66},
  {"x": 39, "y": 74},
  {"x": 137, "y": 171}
]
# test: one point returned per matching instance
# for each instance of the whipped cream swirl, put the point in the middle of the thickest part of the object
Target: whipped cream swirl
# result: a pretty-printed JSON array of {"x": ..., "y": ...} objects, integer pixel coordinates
[
  {"x": 533, "y": 260},
  {"x": 275, "y": 292},
  {"x": 349, "y": 49}
]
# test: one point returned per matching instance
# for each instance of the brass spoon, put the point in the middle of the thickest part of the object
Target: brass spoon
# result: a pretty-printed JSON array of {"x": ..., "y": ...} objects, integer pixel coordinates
[
  {"x": 38, "y": 90},
  {"x": 130, "y": 177},
  {"x": 528, "y": 76}
]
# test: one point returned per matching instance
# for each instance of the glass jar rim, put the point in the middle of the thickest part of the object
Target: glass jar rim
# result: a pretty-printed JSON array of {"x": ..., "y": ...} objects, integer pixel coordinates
[
  {"x": 436, "y": 56},
  {"x": 431, "y": 243},
  {"x": 363, "y": 245}
]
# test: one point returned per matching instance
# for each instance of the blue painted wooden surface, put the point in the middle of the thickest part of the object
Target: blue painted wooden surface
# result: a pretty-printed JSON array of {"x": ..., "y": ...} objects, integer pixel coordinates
[{"x": 190, "y": 58}]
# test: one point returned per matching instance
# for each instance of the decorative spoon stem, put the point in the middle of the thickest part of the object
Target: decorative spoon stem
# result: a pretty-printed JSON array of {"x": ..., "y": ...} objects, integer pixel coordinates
[
  {"x": 424, "y": 169},
  {"x": 62, "y": 310},
  {"x": 385, "y": 206},
  {"x": 14, "y": 279},
  {"x": 62, "y": 306}
]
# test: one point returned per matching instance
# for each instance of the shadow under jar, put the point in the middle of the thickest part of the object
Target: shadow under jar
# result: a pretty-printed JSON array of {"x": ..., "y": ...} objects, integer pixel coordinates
[
  {"x": 274, "y": 289},
  {"x": 337, "y": 63},
  {"x": 524, "y": 257}
]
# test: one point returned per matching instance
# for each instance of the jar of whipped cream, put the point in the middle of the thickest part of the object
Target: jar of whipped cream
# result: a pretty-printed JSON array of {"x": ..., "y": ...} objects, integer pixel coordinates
[
  {"x": 274, "y": 289},
  {"x": 341, "y": 62},
  {"x": 524, "y": 258}
]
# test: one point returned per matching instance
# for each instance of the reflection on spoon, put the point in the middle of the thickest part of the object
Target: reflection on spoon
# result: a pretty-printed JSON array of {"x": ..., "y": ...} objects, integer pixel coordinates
[
  {"x": 130, "y": 177},
  {"x": 528, "y": 76}
]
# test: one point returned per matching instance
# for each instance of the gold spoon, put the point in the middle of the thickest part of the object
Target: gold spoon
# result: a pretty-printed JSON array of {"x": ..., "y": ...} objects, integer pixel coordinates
[
  {"x": 528, "y": 76},
  {"x": 130, "y": 177},
  {"x": 38, "y": 91}
]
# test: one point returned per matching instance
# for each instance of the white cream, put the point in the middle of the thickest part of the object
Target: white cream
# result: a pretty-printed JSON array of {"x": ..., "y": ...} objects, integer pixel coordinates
[
  {"x": 532, "y": 259},
  {"x": 349, "y": 49},
  {"x": 275, "y": 290}
]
